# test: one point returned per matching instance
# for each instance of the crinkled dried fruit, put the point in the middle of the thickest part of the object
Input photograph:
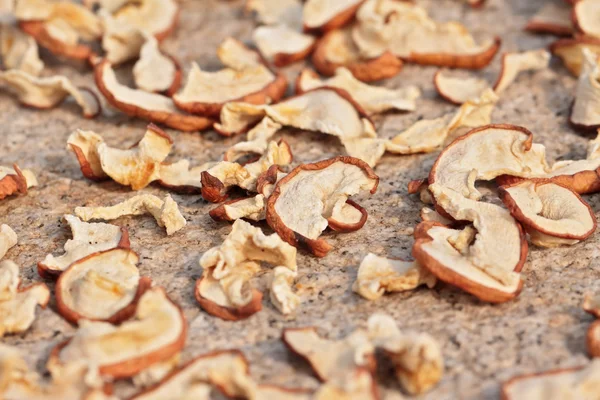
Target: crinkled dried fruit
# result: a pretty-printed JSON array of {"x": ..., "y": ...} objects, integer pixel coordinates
[
  {"x": 84, "y": 145},
  {"x": 19, "y": 51},
  {"x": 18, "y": 304},
  {"x": 327, "y": 15},
  {"x": 257, "y": 140},
  {"x": 165, "y": 212},
  {"x": 154, "y": 17},
  {"x": 584, "y": 112},
  {"x": 378, "y": 275},
  {"x": 180, "y": 178},
  {"x": 156, "y": 333},
  {"x": 312, "y": 196},
  {"x": 156, "y": 372},
  {"x": 156, "y": 72},
  {"x": 281, "y": 45},
  {"x": 372, "y": 99},
  {"x": 570, "y": 51},
  {"x": 515, "y": 63},
  {"x": 553, "y": 18},
  {"x": 252, "y": 208},
  {"x": 8, "y": 239},
  {"x": 88, "y": 238},
  {"x": 121, "y": 42},
  {"x": 409, "y": 33},
  {"x": 459, "y": 90},
  {"x": 13, "y": 180},
  {"x": 48, "y": 92},
  {"x": 104, "y": 286},
  {"x": 577, "y": 383},
  {"x": 552, "y": 214},
  {"x": 140, "y": 104},
  {"x": 585, "y": 16},
  {"x": 281, "y": 293}
]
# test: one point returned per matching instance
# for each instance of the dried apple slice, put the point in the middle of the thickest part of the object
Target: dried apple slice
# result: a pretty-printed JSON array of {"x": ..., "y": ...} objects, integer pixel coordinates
[
  {"x": 19, "y": 51},
  {"x": 108, "y": 277},
  {"x": 327, "y": 15},
  {"x": 585, "y": 16},
  {"x": 12, "y": 180},
  {"x": 156, "y": 72},
  {"x": 552, "y": 214},
  {"x": 515, "y": 63},
  {"x": 372, "y": 99},
  {"x": 459, "y": 90},
  {"x": 88, "y": 238},
  {"x": 578, "y": 383},
  {"x": 473, "y": 258},
  {"x": 121, "y": 41},
  {"x": 8, "y": 239},
  {"x": 149, "y": 106},
  {"x": 570, "y": 51},
  {"x": 409, "y": 33},
  {"x": 156, "y": 333},
  {"x": 252, "y": 208},
  {"x": 165, "y": 212},
  {"x": 226, "y": 370},
  {"x": 553, "y": 18},
  {"x": 323, "y": 188},
  {"x": 331, "y": 359},
  {"x": 154, "y": 17},
  {"x": 584, "y": 112},
  {"x": 378, "y": 275},
  {"x": 48, "y": 92},
  {"x": 257, "y": 140},
  {"x": 337, "y": 49},
  {"x": 84, "y": 145},
  {"x": 18, "y": 304},
  {"x": 281, "y": 45},
  {"x": 180, "y": 178}
]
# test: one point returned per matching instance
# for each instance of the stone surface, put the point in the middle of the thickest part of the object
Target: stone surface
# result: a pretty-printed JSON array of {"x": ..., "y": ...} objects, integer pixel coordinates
[{"x": 483, "y": 344}]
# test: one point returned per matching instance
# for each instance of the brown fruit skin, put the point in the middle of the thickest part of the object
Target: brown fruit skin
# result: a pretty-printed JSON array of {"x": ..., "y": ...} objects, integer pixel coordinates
[
  {"x": 219, "y": 214},
  {"x": 284, "y": 59},
  {"x": 474, "y": 61},
  {"x": 343, "y": 227},
  {"x": 506, "y": 385},
  {"x": 37, "y": 30},
  {"x": 12, "y": 184},
  {"x": 338, "y": 21},
  {"x": 228, "y": 313},
  {"x": 593, "y": 339},
  {"x": 213, "y": 189}
]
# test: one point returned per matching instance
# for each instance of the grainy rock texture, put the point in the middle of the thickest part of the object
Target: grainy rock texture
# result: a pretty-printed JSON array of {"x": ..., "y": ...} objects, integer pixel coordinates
[{"x": 483, "y": 344}]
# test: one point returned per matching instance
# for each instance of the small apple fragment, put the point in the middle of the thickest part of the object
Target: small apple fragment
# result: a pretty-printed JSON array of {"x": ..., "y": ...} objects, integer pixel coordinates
[
  {"x": 152, "y": 17},
  {"x": 224, "y": 289},
  {"x": 121, "y": 41},
  {"x": 108, "y": 277},
  {"x": 165, "y": 212},
  {"x": 19, "y": 51},
  {"x": 48, "y": 92},
  {"x": 257, "y": 140},
  {"x": 88, "y": 238},
  {"x": 8, "y": 239},
  {"x": 584, "y": 113},
  {"x": 252, "y": 208},
  {"x": 515, "y": 63},
  {"x": 156, "y": 72},
  {"x": 326, "y": 15},
  {"x": 84, "y": 145},
  {"x": 585, "y": 17},
  {"x": 18, "y": 304},
  {"x": 552, "y": 214},
  {"x": 140, "y": 104},
  {"x": 13, "y": 181},
  {"x": 156, "y": 333},
  {"x": 337, "y": 49},
  {"x": 281, "y": 293},
  {"x": 553, "y": 18},
  {"x": 304, "y": 201},
  {"x": 408, "y": 32},
  {"x": 180, "y": 178},
  {"x": 570, "y": 51},
  {"x": 459, "y": 90},
  {"x": 281, "y": 45},
  {"x": 380, "y": 275},
  {"x": 577, "y": 383},
  {"x": 373, "y": 99}
]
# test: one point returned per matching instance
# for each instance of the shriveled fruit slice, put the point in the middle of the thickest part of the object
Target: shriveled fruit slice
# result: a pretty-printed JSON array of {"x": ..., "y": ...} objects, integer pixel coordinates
[
  {"x": 8, "y": 239},
  {"x": 180, "y": 178},
  {"x": 326, "y": 15},
  {"x": 553, "y": 18},
  {"x": 19, "y": 51},
  {"x": 156, "y": 332},
  {"x": 304, "y": 201},
  {"x": 156, "y": 72},
  {"x": 104, "y": 286},
  {"x": 515, "y": 63},
  {"x": 88, "y": 238},
  {"x": 155, "y": 17},
  {"x": 252, "y": 208},
  {"x": 13, "y": 180},
  {"x": 281, "y": 45},
  {"x": 553, "y": 215},
  {"x": 121, "y": 41},
  {"x": 84, "y": 145},
  {"x": 459, "y": 90},
  {"x": 586, "y": 17},
  {"x": 379, "y": 275},
  {"x": 584, "y": 112},
  {"x": 570, "y": 51}
]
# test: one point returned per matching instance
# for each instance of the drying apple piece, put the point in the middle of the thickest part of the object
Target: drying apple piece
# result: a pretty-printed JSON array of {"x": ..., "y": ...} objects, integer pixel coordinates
[
  {"x": 409, "y": 33},
  {"x": 252, "y": 208},
  {"x": 165, "y": 212},
  {"x": 473, "y": 258},
  {"x": 337, "y": 49},
  {"x": 18, "y": 304},
  {"x": 459, "y": 90},
  {"x": 108, "y": 277},
  {"x": 121, "y": 41},
  {"x": 48, "y": 92},
  {"x": 246, "y": 79},
  {"x": 180, "y": 178},
  {"x": 156, "y": 72},
  {"x": 154, "y": 17},
  {"x": 553, "y": 18},
  {"x": 13, "y": 180},
  {"x": 313, "y": 196},
  {"x": 372, "y": 99},
  {"x": 326, "y": 15},
  {"x": 257, "y": 140},
  {"x": 570, "y": 51},
  {"x": 156, "y": 372},
  {"x": 140, "y": 104},
  {"x": 584, "y": 113},
  {"x": 224, "y": 289},
  {"x": 217, "y": 180},
  {"x": 8, "y": 239},
  {"x": 273, "y": 12},
  {"x": 19, "y": 51},
  {"x": 553, "y": 215},
  {"x": 88, "y": 238},
  {"x": 281, "y": 45},
  {"x": 226, "y": 370},
  {"x": 378, "y": 275},
  {"x": 585, "y": 17},
  {"x": 156, "y": 333},
  {"x": 515, "y": 63},
  {"x": 576, "y": 383},
  {"x": 428, "y": 214}
]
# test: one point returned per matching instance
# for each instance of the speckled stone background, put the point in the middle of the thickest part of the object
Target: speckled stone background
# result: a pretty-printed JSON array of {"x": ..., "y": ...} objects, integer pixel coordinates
[{"x": 483, "y": 344}]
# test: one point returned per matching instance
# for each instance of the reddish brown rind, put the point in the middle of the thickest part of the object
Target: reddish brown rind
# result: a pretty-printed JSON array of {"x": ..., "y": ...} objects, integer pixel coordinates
[
  {"x": 133, "y": 366},
  {"x": 440, "y": 92},
  {"x": 213, "y": 189},
  {"x": 37, "y": 30},
  {"x": 593, "y": 339},
  {"x": 370, "y": 366},
  {"x": 174, "y": 373},
  {"x": 583, "y": 182},
  {"x": 186, "y": 123},
  {"x": 273, "y": 92},
  {"x": 219, "y": 214},
  {"x": 338, "y": 21},
  {"x": 506, "y": 385},
  {"x": 517, "y": 214},
  {"x": 472, "y": 61},
  {"x": 368, "y": 70},
  {"x": 84, "y": 165},
  {"x": 453, "y": 278},
  {"x": 318, "y": 247},
  {"x": 12, "y": 184},
  {"x": 269, "y": 177},
  {"x": 556, "y": 46},
  {"x": 545, "y": 27},
  {"x": 229, "y": 313},
  {"x": 339, "y": 226},
  {"x": 285, "y": 59},
  {"x": 416, "y": 185}
]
